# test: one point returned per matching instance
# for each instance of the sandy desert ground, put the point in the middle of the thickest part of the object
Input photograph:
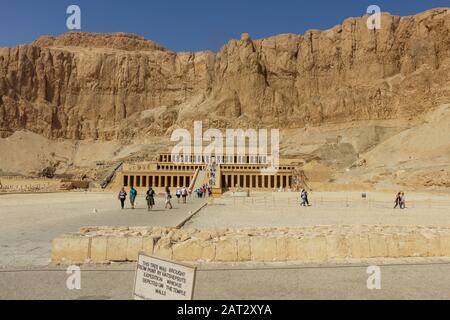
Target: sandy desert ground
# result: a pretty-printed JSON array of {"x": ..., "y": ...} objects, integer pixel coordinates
[
  {"x": 28, "y": 222},
  {"x": 328, "y": 208}
]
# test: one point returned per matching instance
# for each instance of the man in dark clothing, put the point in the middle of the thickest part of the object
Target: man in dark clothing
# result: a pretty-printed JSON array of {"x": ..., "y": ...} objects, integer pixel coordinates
[
  {"x": 150, "y": 198},
  {"x": 397, "y": 200}
]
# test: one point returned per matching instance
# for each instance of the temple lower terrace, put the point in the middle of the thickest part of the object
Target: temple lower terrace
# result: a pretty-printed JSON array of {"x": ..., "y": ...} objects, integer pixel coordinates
[{"x": 223, "y": 174}]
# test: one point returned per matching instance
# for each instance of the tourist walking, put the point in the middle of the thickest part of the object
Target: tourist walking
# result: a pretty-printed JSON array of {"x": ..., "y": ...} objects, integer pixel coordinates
[
  {"x": 402, "y": 201},
  {"x": 209, "y": 191},
  {"x": 133, "y": 195},
  {"x": 184, "y": 194},
  {"x": 178, "y": 194},
  {"x": 168, "y": 198},
  {"x": 304, "y": 197},
  {"x": 150, "y": 198},
  {"x": 397, "y": 200},
  {"x": 122, "y": 197}
]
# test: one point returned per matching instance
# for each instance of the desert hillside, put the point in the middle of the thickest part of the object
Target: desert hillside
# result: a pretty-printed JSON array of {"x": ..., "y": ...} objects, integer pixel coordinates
[{"x": 355, "y": 105}]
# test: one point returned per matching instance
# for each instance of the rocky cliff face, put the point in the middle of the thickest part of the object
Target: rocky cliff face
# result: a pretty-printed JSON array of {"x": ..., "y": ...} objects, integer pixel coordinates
[{"x": 111, "y": 86}]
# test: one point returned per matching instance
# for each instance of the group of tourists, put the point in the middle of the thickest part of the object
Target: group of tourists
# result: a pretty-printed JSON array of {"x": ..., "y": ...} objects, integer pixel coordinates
[
  {"x": 133, "y": 195},
  {"x": 151, "y": 195},
  {"x": 182, "y": 194},
  {"x": 203, "y": 191},
  {"x": 304, "y": 198},
  {"x": 400, "y": 201}
]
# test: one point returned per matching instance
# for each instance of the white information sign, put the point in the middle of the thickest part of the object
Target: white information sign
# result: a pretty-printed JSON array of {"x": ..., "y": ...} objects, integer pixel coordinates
[{"x": 159, "y": 279}]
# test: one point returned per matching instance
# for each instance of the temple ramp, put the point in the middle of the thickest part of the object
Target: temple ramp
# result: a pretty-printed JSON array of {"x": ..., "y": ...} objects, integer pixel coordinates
[{"x": 200, "y": 180}]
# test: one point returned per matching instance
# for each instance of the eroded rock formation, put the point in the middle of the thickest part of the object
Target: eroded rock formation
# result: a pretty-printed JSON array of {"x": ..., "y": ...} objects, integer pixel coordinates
[{"x": 110, "y": 86}]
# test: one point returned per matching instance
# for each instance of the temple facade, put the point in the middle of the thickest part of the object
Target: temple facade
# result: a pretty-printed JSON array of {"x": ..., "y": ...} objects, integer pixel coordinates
[{"x": 222, "y": 173}]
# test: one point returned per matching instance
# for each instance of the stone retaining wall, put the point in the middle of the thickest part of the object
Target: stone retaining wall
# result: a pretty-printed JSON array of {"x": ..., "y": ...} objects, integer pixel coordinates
[{"x": 308, "y": 244}]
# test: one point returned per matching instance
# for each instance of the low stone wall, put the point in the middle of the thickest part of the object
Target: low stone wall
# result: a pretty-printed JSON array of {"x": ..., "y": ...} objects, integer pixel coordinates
[
  {"x": 23, "y": 185},
  {"x": 309, "y": 244}
]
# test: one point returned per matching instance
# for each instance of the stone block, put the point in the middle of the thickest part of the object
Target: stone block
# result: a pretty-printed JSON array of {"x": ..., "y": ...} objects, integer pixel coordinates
[
  {"x": 148, "y": 244},
  {"x": 209, "y": 251},
  {"x": 420, "y": 245},
  {"x": 190, "y": 250},
  {"x": 117, "y": 248},
  {"x": 444, "y": 240},
  {"x": 433, "y": 247},
  {"x": 99, "y": 247},
  {"x": 378, "y": 247},
  {"x": 359, "y": 245},
  {"x": 163, "y": 249},
  {"x": 263, "y": 248},
  {"x": 337, "y": 246},
  {"x": 282, "y": 249},
  {"x": 364, "y": 241},
  {"x": 204, "y": 235},
  {"x": 392, "y": 248},
  {"x": 354, "y": 245},
  {"x": 134, "y": 246},
  {"x": 71, "y": 249},
  {"x": 226, "y": 250},
  {"x": 194, "y": 250},
  {"x": 412, "y": 245},
  {"x": 295, "y": 249},
  {"x": 316, "y": 248},
  {"x": 244, "y": 249}
]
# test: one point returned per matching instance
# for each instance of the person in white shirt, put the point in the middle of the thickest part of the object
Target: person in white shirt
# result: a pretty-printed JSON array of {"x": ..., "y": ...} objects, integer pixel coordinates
[
  {"x": 178, "y": 194},
  {"x": 184, "y": 194},
  {"x": 168, "y": 198}
]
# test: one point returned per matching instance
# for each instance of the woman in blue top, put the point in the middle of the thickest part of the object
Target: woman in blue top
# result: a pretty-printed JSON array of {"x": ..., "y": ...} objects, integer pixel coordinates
[{"x": 133, "y": 195}]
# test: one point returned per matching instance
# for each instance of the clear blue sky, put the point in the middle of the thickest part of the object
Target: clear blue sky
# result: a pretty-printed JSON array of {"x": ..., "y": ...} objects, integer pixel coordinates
[{"x": 189, "y": 25}]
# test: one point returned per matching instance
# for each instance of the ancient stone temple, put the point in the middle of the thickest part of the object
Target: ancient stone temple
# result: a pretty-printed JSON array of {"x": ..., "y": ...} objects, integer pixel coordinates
[{"x": 223, "y": 174}]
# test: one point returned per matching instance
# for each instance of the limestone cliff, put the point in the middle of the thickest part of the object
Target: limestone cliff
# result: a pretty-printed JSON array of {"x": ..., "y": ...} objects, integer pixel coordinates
[{"x": 111, "y": 86}]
